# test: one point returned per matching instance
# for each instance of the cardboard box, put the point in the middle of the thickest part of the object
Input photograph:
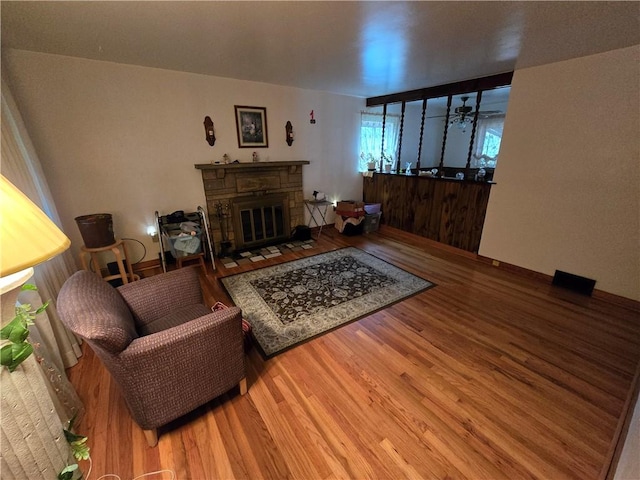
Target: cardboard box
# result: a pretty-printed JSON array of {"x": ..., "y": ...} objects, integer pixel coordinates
[{"x": 350, "y": 208}]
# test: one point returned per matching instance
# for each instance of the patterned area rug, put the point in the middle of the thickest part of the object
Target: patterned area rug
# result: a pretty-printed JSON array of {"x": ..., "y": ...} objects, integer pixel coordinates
[{"x": 292, "y": 302}]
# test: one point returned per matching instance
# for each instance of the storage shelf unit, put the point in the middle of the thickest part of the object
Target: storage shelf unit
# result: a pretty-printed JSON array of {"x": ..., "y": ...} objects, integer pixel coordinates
[{"x": 167, "y": 224}]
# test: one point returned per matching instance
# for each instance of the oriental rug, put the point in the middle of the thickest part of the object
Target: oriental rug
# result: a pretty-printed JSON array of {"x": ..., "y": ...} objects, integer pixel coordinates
[{"x": 295, "y": 301}]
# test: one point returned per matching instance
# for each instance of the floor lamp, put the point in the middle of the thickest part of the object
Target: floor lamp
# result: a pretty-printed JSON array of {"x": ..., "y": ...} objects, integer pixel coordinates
[{"x": 33, "y": 445}]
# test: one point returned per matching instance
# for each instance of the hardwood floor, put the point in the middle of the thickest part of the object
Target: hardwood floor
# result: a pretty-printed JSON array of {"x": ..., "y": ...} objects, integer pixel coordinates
[{"x": 489, "y": 375}]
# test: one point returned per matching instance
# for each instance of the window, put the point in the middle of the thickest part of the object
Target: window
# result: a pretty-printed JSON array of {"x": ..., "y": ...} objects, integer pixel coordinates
[
  {"x": 489, "y": 139},
  {"x": 371, "y": 138}
]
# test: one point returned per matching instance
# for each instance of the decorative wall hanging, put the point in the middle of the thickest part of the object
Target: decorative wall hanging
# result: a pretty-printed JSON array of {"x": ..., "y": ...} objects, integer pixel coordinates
[
  {"x": 313, "y": 120},
  {"x": 289, "y": 129},
  {"x": 208, "y": 129},
  {"x": 251, "y": 125}
]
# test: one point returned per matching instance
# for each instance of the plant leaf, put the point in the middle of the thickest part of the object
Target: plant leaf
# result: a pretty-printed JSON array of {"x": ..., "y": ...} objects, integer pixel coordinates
[
  {"x": 15, "y": 331},
  {"x": 67, "y": 472},
  {"x": 42, "y": 307},
  {"x": 29, "y": 286},
  {"x": 13, "y": 355},
  {"x": 6, "y": 359}
]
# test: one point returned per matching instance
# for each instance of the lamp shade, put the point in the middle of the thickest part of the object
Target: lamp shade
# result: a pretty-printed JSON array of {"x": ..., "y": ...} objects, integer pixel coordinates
[{"x": 27, "y": 236}]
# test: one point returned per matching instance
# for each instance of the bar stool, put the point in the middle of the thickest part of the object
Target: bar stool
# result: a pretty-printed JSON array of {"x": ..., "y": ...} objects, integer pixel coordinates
[{"x": 92, "y": 253}]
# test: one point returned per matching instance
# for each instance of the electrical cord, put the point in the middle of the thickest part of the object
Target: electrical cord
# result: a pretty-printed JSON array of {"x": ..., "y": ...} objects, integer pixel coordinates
[
  {"x": 117, "y": 477},
  {"x": 143, "y": 247}
]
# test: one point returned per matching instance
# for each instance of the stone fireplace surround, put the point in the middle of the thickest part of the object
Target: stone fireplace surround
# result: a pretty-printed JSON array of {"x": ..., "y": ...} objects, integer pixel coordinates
[{"x": 225, "y": 183}]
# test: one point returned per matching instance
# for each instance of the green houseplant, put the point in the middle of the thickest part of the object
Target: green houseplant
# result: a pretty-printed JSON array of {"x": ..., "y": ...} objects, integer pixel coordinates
[{"x": 17, "y": 349}]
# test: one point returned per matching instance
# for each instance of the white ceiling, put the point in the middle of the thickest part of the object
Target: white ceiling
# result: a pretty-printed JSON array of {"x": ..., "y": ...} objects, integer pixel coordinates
[{"x": 356, "y": 48}]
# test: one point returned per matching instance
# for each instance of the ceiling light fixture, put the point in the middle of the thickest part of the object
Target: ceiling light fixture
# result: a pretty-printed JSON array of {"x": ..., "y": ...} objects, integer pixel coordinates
[{"x": 461, "y": 118}]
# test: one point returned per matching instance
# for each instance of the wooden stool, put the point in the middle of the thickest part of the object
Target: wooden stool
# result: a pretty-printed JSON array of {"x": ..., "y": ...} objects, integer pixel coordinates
[
  {"x": 115, "y": 249},
  {"x": 188, "y": 258}
]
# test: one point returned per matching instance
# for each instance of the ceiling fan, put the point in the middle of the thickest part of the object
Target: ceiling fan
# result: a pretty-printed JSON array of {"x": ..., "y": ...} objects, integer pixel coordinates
[{"x": 465, "y": 112}]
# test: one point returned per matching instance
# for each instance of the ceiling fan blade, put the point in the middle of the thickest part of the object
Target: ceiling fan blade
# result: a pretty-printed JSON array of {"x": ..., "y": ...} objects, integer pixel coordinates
[{"x": 470, "y": 115}]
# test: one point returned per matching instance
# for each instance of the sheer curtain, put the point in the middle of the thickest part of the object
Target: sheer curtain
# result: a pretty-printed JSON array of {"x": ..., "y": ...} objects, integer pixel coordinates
[
  {"x": 55, "y": 347},
  {"x": 371, "y": 138},
  {"x": 489, "y": 137}
]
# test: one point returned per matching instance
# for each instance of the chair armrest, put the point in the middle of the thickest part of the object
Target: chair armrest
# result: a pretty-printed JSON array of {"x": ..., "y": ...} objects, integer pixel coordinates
[
  {"x": 153, "y": 297},
  {"x": 171, "y": 372}
]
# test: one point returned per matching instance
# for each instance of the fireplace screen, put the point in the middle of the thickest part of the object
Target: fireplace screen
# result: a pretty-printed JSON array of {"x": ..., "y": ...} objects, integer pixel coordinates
[{"x": 259, "y": 221}]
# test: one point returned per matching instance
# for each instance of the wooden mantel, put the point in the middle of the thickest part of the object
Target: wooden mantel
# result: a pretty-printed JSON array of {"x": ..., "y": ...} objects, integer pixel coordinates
[{"x": 246, "y": 165}]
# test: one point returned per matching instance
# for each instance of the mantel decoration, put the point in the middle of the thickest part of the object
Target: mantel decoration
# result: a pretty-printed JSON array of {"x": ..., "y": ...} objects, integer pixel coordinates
[{"x": 251, "y": 125}]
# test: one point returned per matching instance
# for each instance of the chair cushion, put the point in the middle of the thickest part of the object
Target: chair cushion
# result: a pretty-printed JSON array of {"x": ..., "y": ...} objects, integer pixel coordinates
[
  {"x": 176, "y": 317},
  {"x": 154, "y": 297},
  {"x": 94, "y": 310}
]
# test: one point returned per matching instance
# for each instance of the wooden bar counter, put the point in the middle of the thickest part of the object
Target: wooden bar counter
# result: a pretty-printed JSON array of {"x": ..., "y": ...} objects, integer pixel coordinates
[{"x": 446, "y": 210}]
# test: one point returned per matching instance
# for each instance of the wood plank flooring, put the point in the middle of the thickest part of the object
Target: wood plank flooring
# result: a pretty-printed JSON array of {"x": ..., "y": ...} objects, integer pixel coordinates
[{"x": 488, "y": 375}]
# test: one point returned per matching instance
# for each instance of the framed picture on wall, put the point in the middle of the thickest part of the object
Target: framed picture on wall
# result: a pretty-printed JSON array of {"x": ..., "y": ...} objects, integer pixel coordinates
[{"x": 251, "y": 125}]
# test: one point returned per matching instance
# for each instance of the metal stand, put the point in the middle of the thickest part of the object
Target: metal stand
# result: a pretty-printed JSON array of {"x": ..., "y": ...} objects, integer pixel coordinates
[
  {"x": 321, "y": 207},
  {"x": 161, "y": 222}
]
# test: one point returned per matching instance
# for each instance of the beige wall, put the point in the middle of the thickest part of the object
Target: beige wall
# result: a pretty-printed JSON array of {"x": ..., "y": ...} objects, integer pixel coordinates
[
  {"x": 124, "y": 139},
  {"x": 568, "y": 184}
]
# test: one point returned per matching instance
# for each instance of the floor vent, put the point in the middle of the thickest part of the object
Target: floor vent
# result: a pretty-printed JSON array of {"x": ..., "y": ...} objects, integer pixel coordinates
[{"x": 576, "y": 283}]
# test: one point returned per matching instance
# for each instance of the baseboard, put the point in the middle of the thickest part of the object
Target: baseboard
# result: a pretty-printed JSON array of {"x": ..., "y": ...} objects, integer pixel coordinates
[
  {"x": 622, "y": 429},
  {"x": 147, "y": 268},
  {"x": 149, "y": 264},
  {"x": 404, "y": 237},
  {"x": 612, "y": 298}
]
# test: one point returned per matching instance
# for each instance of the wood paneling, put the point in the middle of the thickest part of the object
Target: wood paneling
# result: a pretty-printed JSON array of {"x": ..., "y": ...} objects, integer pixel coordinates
[
  {"x": 447, "y": 211},
  {"x": 488, "y": 375}
]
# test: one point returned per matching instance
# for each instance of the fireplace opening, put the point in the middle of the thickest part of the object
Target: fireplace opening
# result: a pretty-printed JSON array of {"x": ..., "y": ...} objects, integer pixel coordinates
[{"x": 260, "y": 220}]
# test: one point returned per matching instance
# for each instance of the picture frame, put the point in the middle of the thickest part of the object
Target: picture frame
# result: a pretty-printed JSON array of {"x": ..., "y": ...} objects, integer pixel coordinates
[{"x": 251, "y": 126}]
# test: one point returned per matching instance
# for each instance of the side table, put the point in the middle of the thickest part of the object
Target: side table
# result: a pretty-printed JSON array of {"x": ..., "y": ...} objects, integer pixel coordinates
[
  {"x": 321, "y": 207},
  {"x": 92, "y": 253}
]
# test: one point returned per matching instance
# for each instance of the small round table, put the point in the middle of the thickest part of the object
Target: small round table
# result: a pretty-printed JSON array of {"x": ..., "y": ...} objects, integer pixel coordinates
[{"x": 125, "y": 275}]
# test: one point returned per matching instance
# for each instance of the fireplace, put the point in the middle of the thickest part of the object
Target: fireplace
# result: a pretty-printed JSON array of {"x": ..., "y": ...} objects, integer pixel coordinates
[
  {"x": 252, "y": 204},
  {"x": 260, "y": 220}
]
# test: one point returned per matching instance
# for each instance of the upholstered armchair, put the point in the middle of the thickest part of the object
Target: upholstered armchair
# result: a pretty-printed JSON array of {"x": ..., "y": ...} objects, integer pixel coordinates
[{"x": 165, "y": 349}]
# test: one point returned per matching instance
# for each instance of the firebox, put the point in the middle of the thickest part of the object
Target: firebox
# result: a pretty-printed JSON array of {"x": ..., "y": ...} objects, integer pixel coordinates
[{"x": 260, "y": 220}]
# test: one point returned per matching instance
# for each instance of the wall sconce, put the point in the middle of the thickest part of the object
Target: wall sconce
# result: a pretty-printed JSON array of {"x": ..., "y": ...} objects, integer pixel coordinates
[
  {"x": 289, "y": 128},
  {"x": 208, "y": 128}
]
